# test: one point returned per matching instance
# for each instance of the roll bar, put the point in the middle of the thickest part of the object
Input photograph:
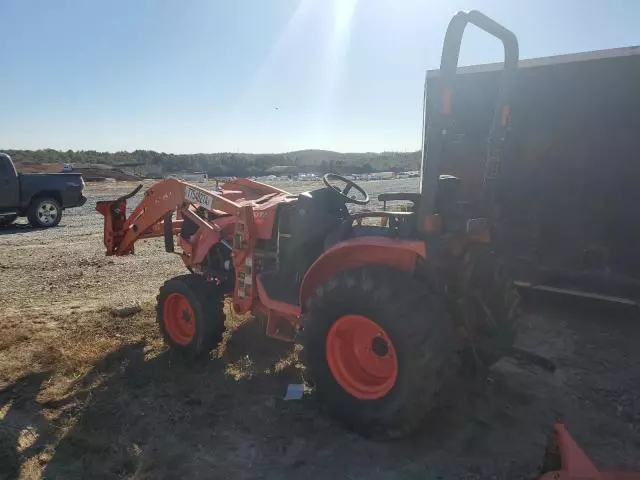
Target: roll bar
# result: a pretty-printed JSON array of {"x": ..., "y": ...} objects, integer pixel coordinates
[
  {"x": 453, "y": 42},
  {"x": 437, "y": 121}
]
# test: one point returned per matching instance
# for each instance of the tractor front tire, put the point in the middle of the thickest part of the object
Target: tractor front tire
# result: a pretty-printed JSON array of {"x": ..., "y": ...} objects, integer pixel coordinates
[
  {"x": 190, "y": 314},
  {"x": 378, "y": 346}
]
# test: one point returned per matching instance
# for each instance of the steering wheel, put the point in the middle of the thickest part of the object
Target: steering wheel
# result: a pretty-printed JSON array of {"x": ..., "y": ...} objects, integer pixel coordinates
[{"x": 328, "y": 177}]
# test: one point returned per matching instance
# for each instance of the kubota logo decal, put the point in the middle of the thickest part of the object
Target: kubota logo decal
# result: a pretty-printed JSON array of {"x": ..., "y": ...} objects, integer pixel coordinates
[{"x": 196, "y": 196}]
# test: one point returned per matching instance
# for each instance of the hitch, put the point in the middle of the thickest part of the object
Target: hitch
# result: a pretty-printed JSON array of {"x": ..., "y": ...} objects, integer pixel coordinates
[{"x": 115, "y": 217}]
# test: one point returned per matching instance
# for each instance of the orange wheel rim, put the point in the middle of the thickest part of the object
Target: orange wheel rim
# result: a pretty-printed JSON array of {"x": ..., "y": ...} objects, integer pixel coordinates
[
  {"x": 361, "y": 357},
  {"x": 178, "y": 318}
]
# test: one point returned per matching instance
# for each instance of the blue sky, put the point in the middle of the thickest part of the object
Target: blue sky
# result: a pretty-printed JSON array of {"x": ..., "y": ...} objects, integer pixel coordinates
[{"x": 254, "y": 75}]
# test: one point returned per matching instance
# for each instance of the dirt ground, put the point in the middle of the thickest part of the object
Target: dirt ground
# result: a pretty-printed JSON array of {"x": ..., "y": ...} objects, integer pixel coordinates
[{"x": 87, "y": 395}]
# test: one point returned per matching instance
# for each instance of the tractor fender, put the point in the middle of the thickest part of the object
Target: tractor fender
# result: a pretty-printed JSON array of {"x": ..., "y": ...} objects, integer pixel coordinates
[{"x": 359, "y": 252}]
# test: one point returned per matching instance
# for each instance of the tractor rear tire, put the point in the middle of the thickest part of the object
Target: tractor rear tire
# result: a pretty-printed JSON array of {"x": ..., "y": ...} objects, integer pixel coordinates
[
  {"x": 495, "y": 302},
  {"x": 190, "y": 314},
  {"x": 397, "y": 341}
]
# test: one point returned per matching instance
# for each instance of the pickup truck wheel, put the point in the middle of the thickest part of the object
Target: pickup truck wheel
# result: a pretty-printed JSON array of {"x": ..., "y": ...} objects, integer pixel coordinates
[
  {"x": 44, "y": 212},
  {"x": 7, "y": 220}
]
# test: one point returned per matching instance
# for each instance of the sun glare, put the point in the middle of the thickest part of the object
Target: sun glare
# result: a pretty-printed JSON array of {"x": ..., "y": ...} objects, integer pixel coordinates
[
  {"x": 332, "y": 20},
  {"x": 334, "y": 59}
]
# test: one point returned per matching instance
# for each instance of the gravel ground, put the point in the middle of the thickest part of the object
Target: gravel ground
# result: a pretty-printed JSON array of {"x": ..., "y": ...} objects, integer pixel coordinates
[{"x": 84, "y": 394}]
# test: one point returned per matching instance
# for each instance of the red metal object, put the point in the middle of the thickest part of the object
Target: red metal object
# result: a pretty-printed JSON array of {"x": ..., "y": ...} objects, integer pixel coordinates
[
  {"x": 276, "y": 313},
  {"x": 179, "y": 319},
  {"x": 361, "y": 357},
  {"x": 574, "y": 463},
  {"x": 400, "y": 254}
]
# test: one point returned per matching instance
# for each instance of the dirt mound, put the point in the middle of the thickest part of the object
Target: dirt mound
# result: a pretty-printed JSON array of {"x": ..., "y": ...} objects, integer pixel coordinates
[
  {"x": 39, "y": 167},
  {"x": 90, "y": 173},
  {"x": 98, "y": 174}
]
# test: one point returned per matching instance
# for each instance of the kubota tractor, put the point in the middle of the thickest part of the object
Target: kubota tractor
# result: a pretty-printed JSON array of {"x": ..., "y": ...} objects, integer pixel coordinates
[{"x": 385, "y": 314}]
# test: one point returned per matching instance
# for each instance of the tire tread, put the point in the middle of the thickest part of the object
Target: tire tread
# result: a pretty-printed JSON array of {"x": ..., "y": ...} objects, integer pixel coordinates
[
  {"x": 210, "y": 306},
  {"x": 400, "y": 303}
]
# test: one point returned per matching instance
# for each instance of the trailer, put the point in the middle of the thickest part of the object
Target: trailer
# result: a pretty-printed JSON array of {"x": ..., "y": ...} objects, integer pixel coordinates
[{"x": 567, "y": 186}]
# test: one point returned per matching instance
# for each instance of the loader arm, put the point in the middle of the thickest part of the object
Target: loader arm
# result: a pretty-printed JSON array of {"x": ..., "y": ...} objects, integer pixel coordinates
[{"x": 160, "y": 201}]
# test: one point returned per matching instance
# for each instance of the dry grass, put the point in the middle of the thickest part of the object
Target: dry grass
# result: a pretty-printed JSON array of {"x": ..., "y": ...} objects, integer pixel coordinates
[
  {"x": 13, "y": 336},
  {"x": 63, "y": 385}
]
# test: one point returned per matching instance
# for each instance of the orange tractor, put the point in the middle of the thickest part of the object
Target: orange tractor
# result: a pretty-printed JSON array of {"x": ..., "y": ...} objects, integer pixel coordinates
[{"x": 385, "y": 314}]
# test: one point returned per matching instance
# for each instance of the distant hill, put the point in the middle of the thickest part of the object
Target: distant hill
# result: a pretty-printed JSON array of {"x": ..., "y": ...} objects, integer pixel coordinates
[
  {"x": 378, "y": 161},
  {"x": 148, "y": 163}
]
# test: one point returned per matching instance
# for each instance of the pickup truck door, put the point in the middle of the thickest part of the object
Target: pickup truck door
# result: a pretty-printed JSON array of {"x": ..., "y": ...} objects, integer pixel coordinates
[{"x": 9, "y": 185}]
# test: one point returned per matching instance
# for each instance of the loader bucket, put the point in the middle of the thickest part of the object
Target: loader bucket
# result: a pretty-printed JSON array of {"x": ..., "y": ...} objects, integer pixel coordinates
[{"x": 115, "y": 216}]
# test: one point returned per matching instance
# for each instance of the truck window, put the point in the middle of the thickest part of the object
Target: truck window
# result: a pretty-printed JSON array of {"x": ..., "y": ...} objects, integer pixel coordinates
[{"x": 6, "y": 169}]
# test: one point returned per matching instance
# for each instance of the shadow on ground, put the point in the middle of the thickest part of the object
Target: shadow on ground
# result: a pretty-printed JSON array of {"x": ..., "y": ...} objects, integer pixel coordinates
[
  {"x": 18, "y": 228},
  {"x": 160, "y": 417},
  {"x": 137, "y": 416}
]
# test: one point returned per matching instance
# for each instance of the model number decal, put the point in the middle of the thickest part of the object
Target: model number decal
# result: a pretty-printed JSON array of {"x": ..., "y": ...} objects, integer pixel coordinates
[{"x": 196, "y": 196}]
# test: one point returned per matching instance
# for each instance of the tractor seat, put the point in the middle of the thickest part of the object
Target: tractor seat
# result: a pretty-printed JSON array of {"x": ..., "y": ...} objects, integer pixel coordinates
[
  {"x": 381, "y": 214},
  {"x": 347, "y": 229},
  {"x": 399, "y": 196}
]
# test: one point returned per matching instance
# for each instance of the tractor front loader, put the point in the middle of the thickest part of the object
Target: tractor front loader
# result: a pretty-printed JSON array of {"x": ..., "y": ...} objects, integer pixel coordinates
[{"x": 385, "y": 314}]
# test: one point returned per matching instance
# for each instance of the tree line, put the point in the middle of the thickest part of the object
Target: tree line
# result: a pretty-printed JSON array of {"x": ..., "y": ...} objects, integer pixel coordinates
[{"x": 152, "y": 163}]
